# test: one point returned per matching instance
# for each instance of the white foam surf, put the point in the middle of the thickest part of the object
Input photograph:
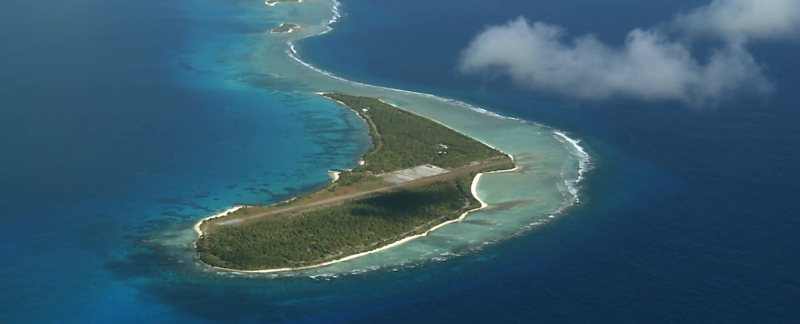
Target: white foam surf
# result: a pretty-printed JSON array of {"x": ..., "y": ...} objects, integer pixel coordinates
[
  {"x": 584, "y": 162},
  {"x": 571, "y": 179},
  {"x": 292, "y": 52},
  {"x": 578, "y": 151}
]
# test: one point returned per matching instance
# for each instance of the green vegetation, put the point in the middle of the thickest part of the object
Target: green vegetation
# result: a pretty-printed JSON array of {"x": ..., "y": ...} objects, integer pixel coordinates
[
  {"x": 347, "y": 179},
  {"x": 360, "y": 211},
  {"x": 403, "y": 140},
  {"x": 337, "y": 231},
  {"x": 285, "y": 28}
]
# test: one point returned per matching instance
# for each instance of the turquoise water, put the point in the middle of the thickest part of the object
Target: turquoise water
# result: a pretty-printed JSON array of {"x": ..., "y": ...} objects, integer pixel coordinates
[
  {"x": 113, "y": 154},
  {"x": 122, "y": 123},
  {"x": 546, "y": 185},
  {"x": 687, "y": 216},
  {"x": 151, "y": 134}
]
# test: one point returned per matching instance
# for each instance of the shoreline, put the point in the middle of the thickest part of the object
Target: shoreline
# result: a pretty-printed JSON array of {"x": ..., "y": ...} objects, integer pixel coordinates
[
  {"x": 473, "y": 191},
  {"x": 335, "y": 175},
  {"x": 277, "y": 2},
  {"x": 475, "y": 181},
  {"x": 218, "y": 215},
  {"x": 322, "y": 94},
  {"x": 455, "y": 130},
  {"x": 292, "y": 29}
]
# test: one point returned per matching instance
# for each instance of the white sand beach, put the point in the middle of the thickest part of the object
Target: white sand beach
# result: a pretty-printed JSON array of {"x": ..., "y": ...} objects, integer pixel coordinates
[
  {"x": 273, "y": 3},
  {"x": 473, "y": 189},
  {"x": 221, "y": 214},
  {"x": 335, "y": 175}
]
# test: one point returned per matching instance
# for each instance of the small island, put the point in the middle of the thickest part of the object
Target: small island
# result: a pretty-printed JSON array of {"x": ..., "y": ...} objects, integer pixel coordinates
[
  {"x": 285, "y": 28},
  {"x": 274, "y": 2},
  {"x": 419, "y": 175}
]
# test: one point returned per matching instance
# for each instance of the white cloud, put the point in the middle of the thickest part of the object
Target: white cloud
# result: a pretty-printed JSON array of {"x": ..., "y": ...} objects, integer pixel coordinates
[
  {"x": 649, "y": 66},
  {"x": 753, "y": 19}
]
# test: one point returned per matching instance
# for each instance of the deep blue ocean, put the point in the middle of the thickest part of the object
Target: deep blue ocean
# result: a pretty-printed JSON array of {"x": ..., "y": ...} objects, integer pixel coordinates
[{"x": 107, "y": 137}]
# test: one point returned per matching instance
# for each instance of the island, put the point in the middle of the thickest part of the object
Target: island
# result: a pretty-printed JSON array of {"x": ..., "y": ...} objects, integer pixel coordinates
[
  {"x": 418, "y": 175},
  {"x": 285, "y": 28},
  {"x": 274, "y": 2}
]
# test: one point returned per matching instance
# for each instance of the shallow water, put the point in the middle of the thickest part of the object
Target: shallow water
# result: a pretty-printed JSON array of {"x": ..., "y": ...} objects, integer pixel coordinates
[
  {"x": 141, "y": 117},
  {"x": 153, "y": 133},
  {"x": 543, "y": 188}
]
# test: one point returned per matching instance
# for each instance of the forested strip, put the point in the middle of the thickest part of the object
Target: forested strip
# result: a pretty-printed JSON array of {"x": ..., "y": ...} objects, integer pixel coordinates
[
  {"x": 337, "y": 231},
  {"x": 401, "y": 140},
  {"x": 404, "y": 140}
]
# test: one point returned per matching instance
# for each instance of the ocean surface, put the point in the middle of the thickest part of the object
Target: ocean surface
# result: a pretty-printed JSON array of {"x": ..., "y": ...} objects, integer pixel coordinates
[{"x": 123, "y": 123}]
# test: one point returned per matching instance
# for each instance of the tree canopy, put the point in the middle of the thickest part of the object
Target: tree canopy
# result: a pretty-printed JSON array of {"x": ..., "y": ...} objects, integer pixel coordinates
[
  {"x": 403, "y": 140},
  {"x": 337, "y": 231}
]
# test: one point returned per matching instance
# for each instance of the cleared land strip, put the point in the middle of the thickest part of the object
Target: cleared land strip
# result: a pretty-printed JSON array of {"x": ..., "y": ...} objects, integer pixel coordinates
[
  {"x": 411, "y": 174},
  {"x": 339, "y": 199}
]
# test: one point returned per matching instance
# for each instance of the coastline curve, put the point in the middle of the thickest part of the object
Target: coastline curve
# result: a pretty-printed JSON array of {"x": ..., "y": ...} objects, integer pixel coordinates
[
  {"x": 473, "y": 190},
  {"x": 535, "y": 166}
]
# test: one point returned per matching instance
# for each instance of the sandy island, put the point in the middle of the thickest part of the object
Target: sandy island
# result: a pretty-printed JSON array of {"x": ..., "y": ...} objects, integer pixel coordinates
[
  {"x": 335, "y": 175},
  {"x": 285, "y": 28},
  {"x": 473, "y": 189},
  {"x": 224, "y": 213}
]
